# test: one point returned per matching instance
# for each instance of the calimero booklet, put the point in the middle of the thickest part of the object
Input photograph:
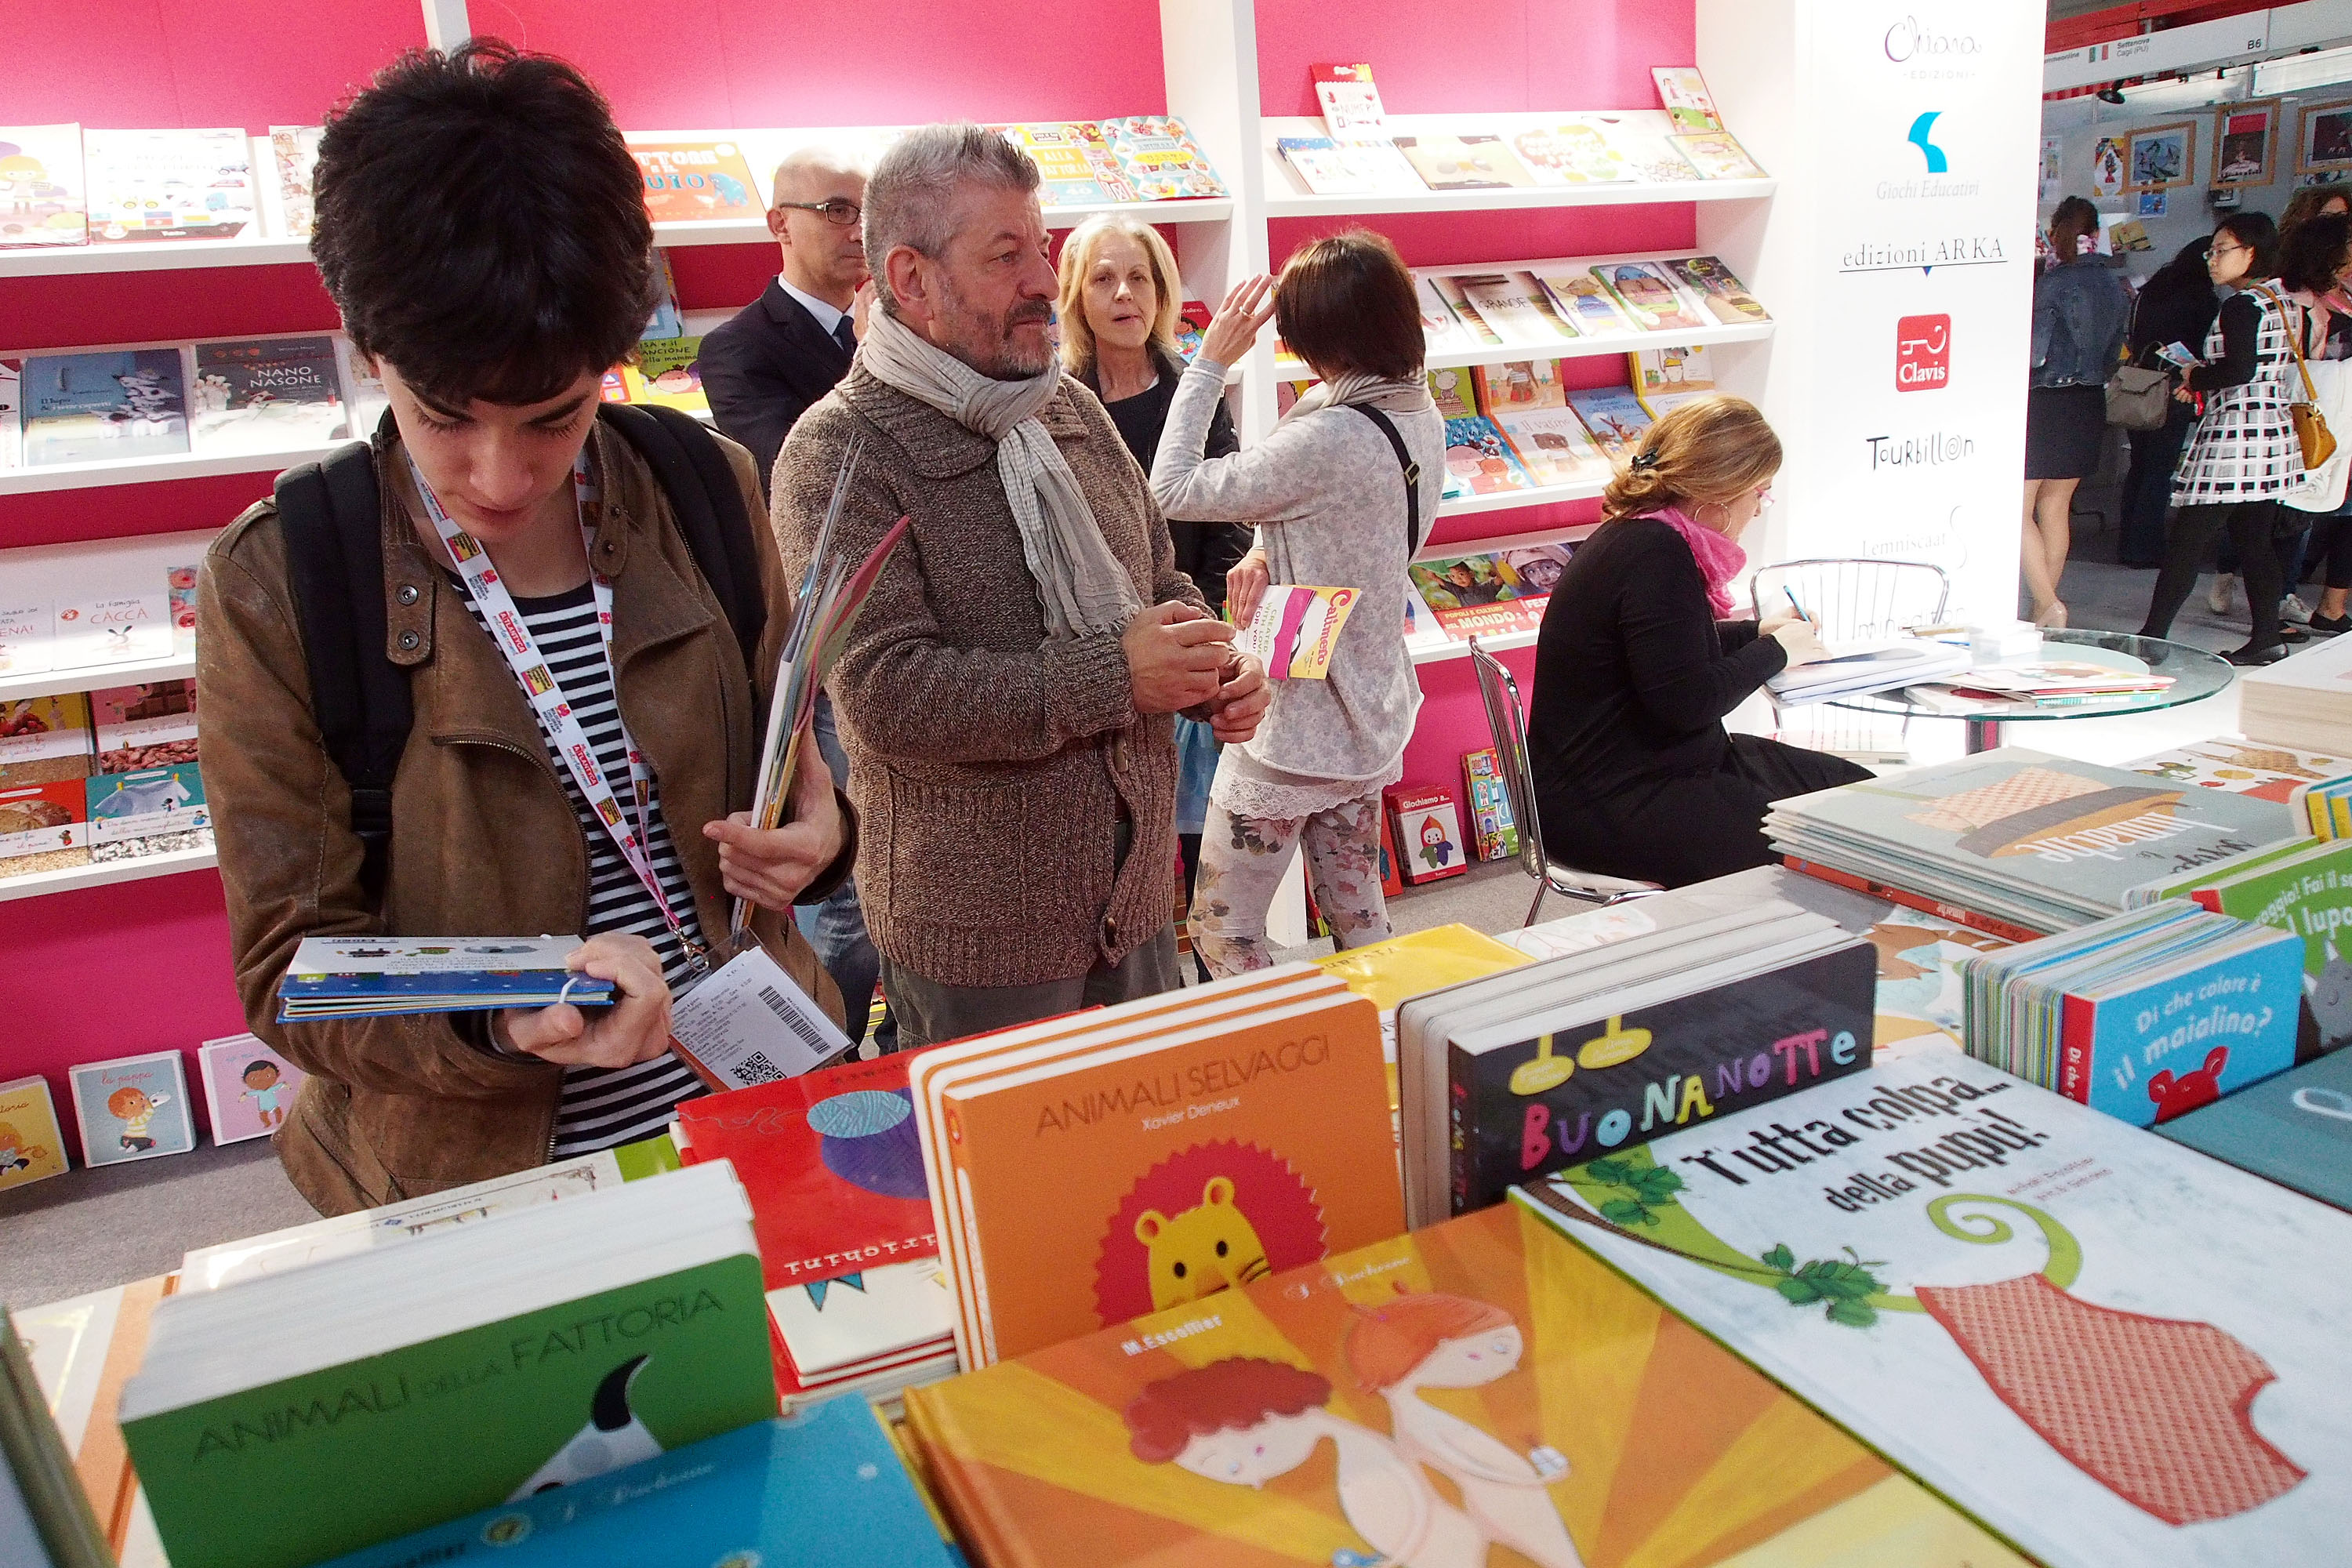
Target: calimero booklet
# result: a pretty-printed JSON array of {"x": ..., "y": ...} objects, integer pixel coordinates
[{"x": 2105, "y": 1347}]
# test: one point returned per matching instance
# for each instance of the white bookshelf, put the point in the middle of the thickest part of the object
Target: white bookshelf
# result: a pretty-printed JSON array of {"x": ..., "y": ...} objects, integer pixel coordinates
[
  {"x": 1515, "y": 501},
  {"x": 1447, "y": 550},
  {"x": 104, "y": 873},
  {"x": 1590, "y": 348},
  {"x": 1452, "y": 650},
  {"x": 91, "y": 568},
  {"x": 98, "y": 676}
]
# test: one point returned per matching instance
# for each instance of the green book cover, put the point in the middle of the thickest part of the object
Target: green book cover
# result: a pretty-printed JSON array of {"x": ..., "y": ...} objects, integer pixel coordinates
[
  {"x": 311, "y": 1466},
  {"x": 2310, "y": 896},
  {"x": 2296, "y": 1128}
]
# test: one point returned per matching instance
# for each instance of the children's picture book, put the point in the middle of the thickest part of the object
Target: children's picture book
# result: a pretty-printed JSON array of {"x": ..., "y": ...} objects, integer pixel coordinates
[
  {"x": 1494, "y": 831},
  {"x": 1478, "y": 461},
  {"x": 146, "y": 803},
  {"x": 863, "y": 1315},
  {"x": 2306, "y": 893},
  {"x": 695, "y": 181},
  {"x": 1297, "y": 630},
  {"x": 2295, "y": 1129},
  {"x": 267, "y": 395},
  {"x": 180, "y": 583},
  {"x": 1518, "y": 385},
  {"x": 294, "y": 150},
  {"x": 1670, "y": 370},
  {"x": 1474, "y": 162},
  {"x": 1428, "y": 832},
  {"x": 1440, "y": 327},
  {"x": 1647, "y": 293},
  {"x": 1584, "y": 304},
  {"x": 1325, "y": 167},
  {"x": 249, "y": 1087},
  {"x": 1554, "y": 447},
  {"x": 2131, "y": 1353},
  {"x": 32, "y": 1146},
  {"x": 665, "y": 373},
  {"x": 168, "y": 184},
  {"x": 383, "y": 976},
  {"x": 2236, "y": 765},
  {"x": 41, "y": 200},
  {"x": 1716, "y": 155},
  {"x": 43, "y": 819},
  {"x": 1709, "y": 280},
  {"x": 29, "y": 640},
  {"x": 44, "y": 740},
  {"x": 1454, "y": 391},
  {"x": 1077, "y": 161},
  {"x": 1643, "y": 138},
  {"x": 1570, "y": 153},
  {"x": 148, "y": 726},
  {"x": 1478, "y": 332},
  {"x": 1350, "y": 102},
  {"x": 1615, "y": 417},
  {"x": 113, "y": 629},
  {"x": 1160, "y": 158},
  {"x": 1516, "y": 307},
  {"x": 132, "y": 1108},
  {"x": 1490, "y": 594},
  {"x": 1684, "y": 92},
  {"x": 1479, "y": 1391},
  {"x": 104, "y": 408}
]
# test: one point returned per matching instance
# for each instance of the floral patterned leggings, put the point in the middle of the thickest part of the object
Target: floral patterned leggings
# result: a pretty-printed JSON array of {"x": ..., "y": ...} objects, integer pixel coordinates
[{"x": 1242, "y": 862}]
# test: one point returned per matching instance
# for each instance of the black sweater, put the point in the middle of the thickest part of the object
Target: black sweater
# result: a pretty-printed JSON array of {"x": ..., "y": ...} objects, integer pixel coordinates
[
  {"x": 1634, "y": 673},
  {"x": 1205, "y": 552}
]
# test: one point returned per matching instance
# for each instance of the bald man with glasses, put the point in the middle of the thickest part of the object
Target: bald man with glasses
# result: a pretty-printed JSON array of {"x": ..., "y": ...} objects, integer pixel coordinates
[{"x": 786, "y": 349}]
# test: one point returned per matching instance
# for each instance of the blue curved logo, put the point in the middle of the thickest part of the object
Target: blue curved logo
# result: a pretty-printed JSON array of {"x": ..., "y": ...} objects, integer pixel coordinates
[{"x": 1920, "y": 128}]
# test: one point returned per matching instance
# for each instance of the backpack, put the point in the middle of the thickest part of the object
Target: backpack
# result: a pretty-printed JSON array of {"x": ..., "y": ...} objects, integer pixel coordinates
[{"x": 332, "y": 517}]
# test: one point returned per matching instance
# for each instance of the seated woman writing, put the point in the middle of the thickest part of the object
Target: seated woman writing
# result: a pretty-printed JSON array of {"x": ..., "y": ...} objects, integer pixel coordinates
[{"x": 1638, "y": 662}]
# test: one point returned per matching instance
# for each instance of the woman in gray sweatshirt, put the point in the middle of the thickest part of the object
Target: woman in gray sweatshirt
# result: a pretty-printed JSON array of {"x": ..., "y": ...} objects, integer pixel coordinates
[{"x": 1339, "y": 492}]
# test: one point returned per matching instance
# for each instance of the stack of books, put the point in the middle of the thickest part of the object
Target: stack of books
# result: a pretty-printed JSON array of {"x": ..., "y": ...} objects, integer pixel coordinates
[
  {"x": 1091, "y": 1168},
  {"x": 2324, "y": 807},
  {"x": 2145, "y": 1016},
  {"x": 2303, "y": 887},
  {"x": 1504, "y": 1079},
  {"x": 2304, "y": 701},
  {"x": 1481, "y": 1391},
  {"x": 2101, "y": 1346},
  {"x": 381, "y": 976},
  {"x": 847, "y": 1250},
  {"x": 2057, "y": 683},
  {"x": 2013, "y": 842},
  {"x": 1879, "y": 664}
]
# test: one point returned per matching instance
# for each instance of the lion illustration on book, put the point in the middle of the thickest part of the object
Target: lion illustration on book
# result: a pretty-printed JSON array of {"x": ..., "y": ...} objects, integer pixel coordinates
[
  {"x": 1206, "y": 1219},
  {"x": 1208, "y": 1247}
]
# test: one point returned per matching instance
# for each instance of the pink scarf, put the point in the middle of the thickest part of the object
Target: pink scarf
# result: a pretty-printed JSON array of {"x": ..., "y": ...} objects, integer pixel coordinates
[{"x": 1719, "y": 559}]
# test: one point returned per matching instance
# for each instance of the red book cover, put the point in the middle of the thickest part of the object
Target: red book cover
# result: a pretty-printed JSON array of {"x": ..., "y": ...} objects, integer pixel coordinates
[{"x": 831, "y": 1163}]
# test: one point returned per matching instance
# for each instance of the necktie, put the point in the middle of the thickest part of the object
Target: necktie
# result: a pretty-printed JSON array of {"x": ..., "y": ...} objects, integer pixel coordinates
[{"x": 845, "y": 337}]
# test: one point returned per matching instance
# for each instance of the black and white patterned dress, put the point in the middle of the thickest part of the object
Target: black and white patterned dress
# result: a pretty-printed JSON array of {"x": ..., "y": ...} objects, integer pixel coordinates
[{"x": 2243, "y": 448}]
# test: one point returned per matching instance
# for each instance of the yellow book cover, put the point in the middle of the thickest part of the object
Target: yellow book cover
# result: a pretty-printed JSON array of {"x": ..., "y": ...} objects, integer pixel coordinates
[
  {"x": 32, "y": 1147},
  {"x": 665, "y": 373},
  {"x": 1419, "y": 1402}
]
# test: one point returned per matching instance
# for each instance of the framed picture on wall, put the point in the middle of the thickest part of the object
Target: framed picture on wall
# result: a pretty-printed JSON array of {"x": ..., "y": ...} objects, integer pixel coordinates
[
  {"x": 2160, "y": 157},
  {"x": 2323, "y": 137},
  {"x": 2245, "y": 143}
]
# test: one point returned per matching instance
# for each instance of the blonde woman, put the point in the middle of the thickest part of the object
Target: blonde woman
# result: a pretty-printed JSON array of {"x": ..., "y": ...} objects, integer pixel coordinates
[{"x": 1640, "y": 658}]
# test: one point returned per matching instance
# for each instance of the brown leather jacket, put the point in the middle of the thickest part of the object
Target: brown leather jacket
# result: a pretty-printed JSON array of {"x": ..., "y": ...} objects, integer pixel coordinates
[{"x": 485, "y": 840}]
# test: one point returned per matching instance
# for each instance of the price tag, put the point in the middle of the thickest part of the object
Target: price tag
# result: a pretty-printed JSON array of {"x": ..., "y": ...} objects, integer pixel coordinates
[{"x": 748, "y": 1023}]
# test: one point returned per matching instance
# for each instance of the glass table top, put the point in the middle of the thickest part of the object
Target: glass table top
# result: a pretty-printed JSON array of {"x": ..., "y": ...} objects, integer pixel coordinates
[{"x": 2195, "y": 673}]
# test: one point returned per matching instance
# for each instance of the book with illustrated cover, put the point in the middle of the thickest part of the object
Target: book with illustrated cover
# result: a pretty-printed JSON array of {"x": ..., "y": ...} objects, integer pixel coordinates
[
  {"x": 1490, "y": 594},
  {"x": 1474, "y": 162},
  {"x": 1572, "y": 152},
  {"x": 1440, "y": 327},
  {"x": 146, "y": 803},
  {"x": 1517, "y": 386},
  {"x": 1325, "y": 167},
  {"x": 32, "y": 1145},
  {"x": 250, "y": 1086},
  {"x": 1077, "y": 161},
  {"x": 1707, "y": 279},
  {"x": 1684, "y": 92},
  {"x": 132, "y": 1108},
  {"x": 1516, "y": 307},
  {"x": 1477, "y": 332},
  {"x": 1350, "y": 102},
  {"x": 666, "y": 321},
  {"x": 1479, "y": 1392},
  {"x": 1297, "y": 629},
  {"x": 2236, "y": 765},
  {"x": 294, "y": 149},
  {"x": 1716, "y": 155},
  {"x": 168, "y": 184},
  {"x": 268, "y": 395},
  {"x": 1615, "y": 417},
  {"x": 384, "y": 976},
  {"x": 1160, "y": 158},
  {"x": 44, "y": 819},
  {"x": 104, "y": 408},
  {"x": 1644, "y": 140},
  {"x": 44, "y": 740},
  {"x": 41, "y": 200},
  {"x": 1494, "y": 831},
  {"x": 2104, "y": 1347},
  {"x": 1649, "y": 296},
  {"x": 147, "y": 726},
  {"x": 814, "y": 1489},
  {"x": 1582, "y": 300},
  {"x": 853, "y": 1321},
  {"x": 1670, "y": 370},
  {"x": 2306, "y": 892},
  {"x": 1428, "y": 823},
  {"x": 665, "y": 373},
  {"x": 1454, "y": 391},
  {"x": 113, "y": 629},
  {"x": 694, "y": 182},
  {"x": 1554, "y": 447},
  {"x": 2295, "y": 1129},
  {"x": 1479, "y": 460}
]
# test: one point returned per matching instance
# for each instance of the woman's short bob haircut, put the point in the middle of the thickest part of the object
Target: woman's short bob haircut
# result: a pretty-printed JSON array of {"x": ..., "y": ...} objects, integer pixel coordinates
[
  {"x": 481, "y": 226},
  {"x": 1345, "y": 304}
]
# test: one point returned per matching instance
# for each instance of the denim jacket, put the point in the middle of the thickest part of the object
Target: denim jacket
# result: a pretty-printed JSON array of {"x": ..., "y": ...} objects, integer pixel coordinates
[{"x": 2081, "y": 311}]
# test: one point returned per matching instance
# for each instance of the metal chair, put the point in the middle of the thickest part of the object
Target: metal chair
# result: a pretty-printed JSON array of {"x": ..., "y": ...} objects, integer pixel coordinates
[
  {"x": 1508, "y": 720},
  {"x": 1852, "y": 599}
]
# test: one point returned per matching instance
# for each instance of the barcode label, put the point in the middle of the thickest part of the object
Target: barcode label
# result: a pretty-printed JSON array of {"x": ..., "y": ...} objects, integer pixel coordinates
[
  {"x": 794, "y": 1020},
  {"x": 751, "y": 1023},
  {"x": 757, "y": 1069}
]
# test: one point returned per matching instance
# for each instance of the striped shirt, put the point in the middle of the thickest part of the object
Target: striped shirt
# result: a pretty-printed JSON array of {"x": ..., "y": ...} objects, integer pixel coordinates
[{"x": 603, "y": 1107}]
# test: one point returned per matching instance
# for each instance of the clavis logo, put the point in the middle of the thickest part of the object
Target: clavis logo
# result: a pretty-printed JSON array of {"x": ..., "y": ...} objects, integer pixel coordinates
[
  {"x": 1923, "y": 352},
  {"x": 1907, "y": 41},
  {"x": 1921, "y": 128}
]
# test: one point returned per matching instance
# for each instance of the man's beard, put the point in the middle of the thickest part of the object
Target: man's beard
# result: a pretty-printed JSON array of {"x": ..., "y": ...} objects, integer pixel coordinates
[{"x": 988, "y": 346}]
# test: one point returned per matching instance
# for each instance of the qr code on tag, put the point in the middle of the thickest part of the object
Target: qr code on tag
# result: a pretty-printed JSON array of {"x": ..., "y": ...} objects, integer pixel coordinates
[{"x": 756, "y": 1068}]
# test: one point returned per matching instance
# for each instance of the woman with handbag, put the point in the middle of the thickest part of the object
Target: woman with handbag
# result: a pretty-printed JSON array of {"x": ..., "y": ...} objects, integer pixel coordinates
[
  {"x": 2176, "y": 305},
  {"x": 2081, "y": 310},
  {"x": 2315, "y": 258},
  {"x": 2245, "y": 452}
]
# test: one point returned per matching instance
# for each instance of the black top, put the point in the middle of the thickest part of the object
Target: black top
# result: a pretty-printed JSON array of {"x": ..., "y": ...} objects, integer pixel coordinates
[
  {"x": 2174, "y": 308},
  {"x": 2242, "y": 329},
  {"x": 1634, "y": 673},
  {"x": 1205, "y": 552},
  {"x": 763, "y": 368}
]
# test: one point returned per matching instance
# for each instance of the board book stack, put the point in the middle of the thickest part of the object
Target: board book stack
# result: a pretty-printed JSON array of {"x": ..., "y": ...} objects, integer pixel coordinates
[
  {"x": 379, "y": 976},
  {"x": 848, "y": 1252},
  {"x": 479, "y": 1365},
  {"x": 2145, "y": 1015},
  {"x": 1479, "y": 1391},
  {"x": 2014, "y": 842},
  {"x": 2104, "y": 1348},
  {"x": 1504, "y": 1079},
  {"x": 2295, "y": 1129},
  {"x": 1086, "y": 1169},
  {"x": 2235, "y": 765},
  {"x": 2323, "y": 808},
  {"x": 2305, "y": 702}
]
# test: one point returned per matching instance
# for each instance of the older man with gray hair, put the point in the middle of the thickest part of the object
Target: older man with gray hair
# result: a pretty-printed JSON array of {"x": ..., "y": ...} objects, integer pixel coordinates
[{"x": 1005, "y": 694}]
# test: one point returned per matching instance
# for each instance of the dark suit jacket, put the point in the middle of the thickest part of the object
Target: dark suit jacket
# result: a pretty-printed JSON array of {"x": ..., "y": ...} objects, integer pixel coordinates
[{"x": 764, "y": 368}]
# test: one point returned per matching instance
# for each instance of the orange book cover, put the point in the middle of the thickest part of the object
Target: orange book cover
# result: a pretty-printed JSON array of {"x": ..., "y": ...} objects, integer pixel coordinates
[
  {"x": 691, "y": 181},
  {"x": 1481, "y": 1383},
  {"x": 992, "y": 1054},
  {"x": 1198, "y": 1160}
]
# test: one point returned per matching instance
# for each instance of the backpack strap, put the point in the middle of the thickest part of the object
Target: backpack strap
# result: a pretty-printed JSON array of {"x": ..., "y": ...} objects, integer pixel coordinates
[
  {"x": 695, "y": 474},
  {"x": 1412, "y": 475},
  {"x": 333, "y": 524}
]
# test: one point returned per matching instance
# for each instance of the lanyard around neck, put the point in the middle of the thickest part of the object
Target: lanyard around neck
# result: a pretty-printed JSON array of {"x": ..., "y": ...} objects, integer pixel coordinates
[{"x": 625, "y": 826}]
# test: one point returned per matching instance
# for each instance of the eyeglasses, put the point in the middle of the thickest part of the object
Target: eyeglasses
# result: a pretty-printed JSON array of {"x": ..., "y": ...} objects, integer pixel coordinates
[
  {"x": 840, "y": 212},
  {"x": 2211, "y": 251}
]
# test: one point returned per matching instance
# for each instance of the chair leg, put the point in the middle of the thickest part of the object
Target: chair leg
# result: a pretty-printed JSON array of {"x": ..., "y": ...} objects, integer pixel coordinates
[{"x": 1543, "y": 886}]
